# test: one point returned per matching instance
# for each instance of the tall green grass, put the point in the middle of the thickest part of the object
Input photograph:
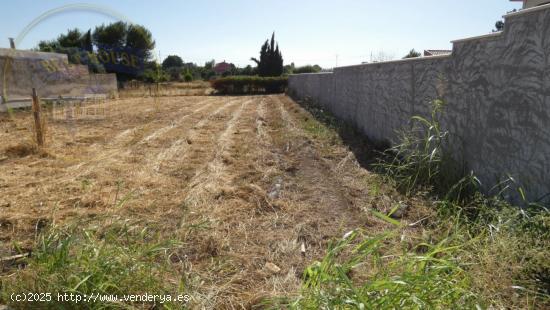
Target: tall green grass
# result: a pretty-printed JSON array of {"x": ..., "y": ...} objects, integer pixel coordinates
[
  {"x": 477, "y": 252},
  {"x": 421, "y": 159},
  {"x": 359, "y": 272},
  {"x": 454, "y": 268},
  {"x": 111, "y": 257}
]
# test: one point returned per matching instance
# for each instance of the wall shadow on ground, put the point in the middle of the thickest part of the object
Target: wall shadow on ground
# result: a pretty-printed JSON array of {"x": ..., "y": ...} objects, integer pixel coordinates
[{"x": 368, "y": 152}]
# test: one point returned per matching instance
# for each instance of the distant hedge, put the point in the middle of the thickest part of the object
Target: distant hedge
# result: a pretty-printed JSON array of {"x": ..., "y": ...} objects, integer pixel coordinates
[{"x": 234, "y": 85}]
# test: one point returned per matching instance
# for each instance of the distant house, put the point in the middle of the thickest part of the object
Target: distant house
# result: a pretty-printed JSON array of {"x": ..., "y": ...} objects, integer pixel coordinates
[
  {"x": 437, "y": 52},
  {"x": 532, "y": 3},
  {"x": 222, "y": 67}
]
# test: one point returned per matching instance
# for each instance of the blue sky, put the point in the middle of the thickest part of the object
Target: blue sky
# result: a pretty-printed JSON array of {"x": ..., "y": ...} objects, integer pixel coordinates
[{"x": 308, "y": 31}]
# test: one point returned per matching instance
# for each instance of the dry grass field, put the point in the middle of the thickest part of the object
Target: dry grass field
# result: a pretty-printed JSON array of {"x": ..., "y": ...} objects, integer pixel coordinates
[
  {"x": 241, "y": 182},
  {"x": 228, "y": 200}
]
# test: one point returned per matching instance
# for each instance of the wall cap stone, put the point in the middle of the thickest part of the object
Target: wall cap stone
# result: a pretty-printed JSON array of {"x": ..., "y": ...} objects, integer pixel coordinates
[
  {"x": 415, "y": 59},
  {"x": 529, "y": 10},
  {"x": 316, "y": 73},
  {"x": 481, "y": 37},
  {"x": 25, "y": 54}
]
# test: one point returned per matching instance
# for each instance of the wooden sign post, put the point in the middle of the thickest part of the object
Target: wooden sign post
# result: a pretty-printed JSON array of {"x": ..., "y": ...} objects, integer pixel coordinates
[{"x": 37, "y": 121}]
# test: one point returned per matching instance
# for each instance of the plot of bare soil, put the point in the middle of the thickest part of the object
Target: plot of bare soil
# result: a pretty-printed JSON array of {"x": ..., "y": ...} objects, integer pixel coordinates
[{"x": 238, "y": 179}]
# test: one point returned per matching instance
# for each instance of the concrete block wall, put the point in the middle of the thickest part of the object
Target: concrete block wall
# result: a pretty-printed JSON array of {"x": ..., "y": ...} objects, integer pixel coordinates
[
  {"x": 51, "y": 75},
  {"x": 497, "y": 90}
]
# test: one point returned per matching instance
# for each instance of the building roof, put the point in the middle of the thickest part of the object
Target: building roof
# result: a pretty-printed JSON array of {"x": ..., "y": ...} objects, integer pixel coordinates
[
  {"x": 222, "y": 67},
  {"x": 437, "y": 52}
]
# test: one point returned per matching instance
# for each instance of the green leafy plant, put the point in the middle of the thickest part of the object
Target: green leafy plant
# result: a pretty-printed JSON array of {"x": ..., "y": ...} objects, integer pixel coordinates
[
  {"x": 188, "y": 77},
  {"x": 412, "y": 54}
]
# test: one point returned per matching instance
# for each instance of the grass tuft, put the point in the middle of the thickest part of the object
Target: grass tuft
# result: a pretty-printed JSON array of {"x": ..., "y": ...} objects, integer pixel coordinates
[
  {"x": 358, "y": 273},
  {"x": 113, "y": 257},
  {"x": 420, "y": 159}
]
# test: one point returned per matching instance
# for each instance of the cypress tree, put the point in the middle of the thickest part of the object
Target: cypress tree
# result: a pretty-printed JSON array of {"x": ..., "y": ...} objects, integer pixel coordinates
[
  {"x": 86, "y": 41},
  {"x": 271, "y": 59}
]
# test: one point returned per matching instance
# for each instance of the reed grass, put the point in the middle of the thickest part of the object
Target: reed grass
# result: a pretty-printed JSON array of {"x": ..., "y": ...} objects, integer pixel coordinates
[{"x": 478, "y": 252}]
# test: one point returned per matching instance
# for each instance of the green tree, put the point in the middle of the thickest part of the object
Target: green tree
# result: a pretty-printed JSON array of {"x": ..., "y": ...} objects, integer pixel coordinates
[
  {"x": 188, "y": 77},
  {"x": 153, "y": 73},
  {"x": 248, "y": 70},
  {"x": 140, "y": 38},
  {"x": 112, "y": 35},
  {"x": 122, "y": 36},
  {"x": 49, "y": 46},
  {"x": 118, "y": 36},
  {"x": 73, "y": 38},
  {"x": 175, "y": 73},
  {"x": 307, "y": 69},
  {"x": 412, "y": 54},
  {"x": 499, "y": 25},
  {"x": 172, "y": 61},
  {"x": 86, "y": 41},
  {"x": 207, "y": 71},
  {"x": 209, "y": 64},
  {"x": 77, "y": 46},
  {"x": 271, "y": 59},
  {"x": 289, "y": 69}
]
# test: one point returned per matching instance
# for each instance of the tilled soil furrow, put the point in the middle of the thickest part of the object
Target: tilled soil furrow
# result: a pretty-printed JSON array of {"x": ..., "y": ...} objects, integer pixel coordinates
[
  {"x": 173, "y": 106},
  {"x": 239, "y": 181},
  {"x": 93, "y": 186},
  {"x": 208, "y": 179},
  {"x": 211, "y": 198},
  {"x": 140, "y": 161},
  {"x": 188, "y": 137},
  {"x": 203, "y": 105},
  {"x": 103, "y": 157}
]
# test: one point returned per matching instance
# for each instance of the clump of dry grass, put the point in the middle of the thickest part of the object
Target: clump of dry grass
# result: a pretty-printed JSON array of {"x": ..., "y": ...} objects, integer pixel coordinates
[
  {"x": 20, "y": 150},
  {"x": 24, "y": 150}
]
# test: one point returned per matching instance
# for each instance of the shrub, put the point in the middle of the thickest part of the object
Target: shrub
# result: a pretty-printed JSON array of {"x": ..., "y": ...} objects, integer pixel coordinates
[
  {"x": 174, "y": 73},
  {"x": 307, "y": 69},
  {"x": 249, "y": 85},
  {"x": 188, "y": 77}
]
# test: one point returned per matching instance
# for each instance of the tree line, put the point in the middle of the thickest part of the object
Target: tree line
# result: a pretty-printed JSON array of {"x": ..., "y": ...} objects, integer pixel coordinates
[
  {"x": 121, "y": 48},
  {"x": 115, "y": 47}
]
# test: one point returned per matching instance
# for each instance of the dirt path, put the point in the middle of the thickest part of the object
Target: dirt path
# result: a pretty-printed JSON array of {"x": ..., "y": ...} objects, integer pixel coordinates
[{"x": 244, "y": 169}]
